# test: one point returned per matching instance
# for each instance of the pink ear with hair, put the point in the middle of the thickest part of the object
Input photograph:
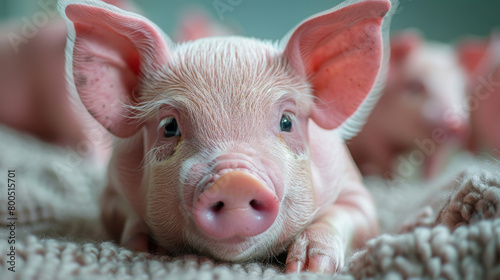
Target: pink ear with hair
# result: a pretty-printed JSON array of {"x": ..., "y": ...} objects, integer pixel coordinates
[
  {"x": 112, "y": 50},
  {"x": 340, "y": 52}
]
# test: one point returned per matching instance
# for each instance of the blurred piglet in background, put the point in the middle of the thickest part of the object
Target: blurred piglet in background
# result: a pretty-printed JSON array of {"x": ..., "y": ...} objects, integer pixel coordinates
[
  {"x": 481, "y": 59},
  {"x": 33, "y": 94},
  {"x": 424, "y": 81},
  {"x": 33, "y": 97},
  {"x": 232, "y": 147},
  {"x": 479, "y": 137},
  {"x": 196, "y": 23}
]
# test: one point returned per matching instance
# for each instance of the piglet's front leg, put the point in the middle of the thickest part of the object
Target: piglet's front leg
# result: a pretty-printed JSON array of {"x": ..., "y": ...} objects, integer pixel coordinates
[
  {"x": 348, "y": 223},
  {"x": 122, "y": 224},
  {"x": 320, "y": 248},
  {"x": 135, "y": 236}
]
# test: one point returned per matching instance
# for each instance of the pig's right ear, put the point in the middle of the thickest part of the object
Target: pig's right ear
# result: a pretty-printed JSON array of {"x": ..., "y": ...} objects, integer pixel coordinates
[
  {"x": 341, "y": 54},
  {"x": 108, "y": 52}
]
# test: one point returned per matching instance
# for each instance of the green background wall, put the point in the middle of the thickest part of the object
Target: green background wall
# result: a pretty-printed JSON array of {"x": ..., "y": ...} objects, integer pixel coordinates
[{"x": 444, "y": 20}]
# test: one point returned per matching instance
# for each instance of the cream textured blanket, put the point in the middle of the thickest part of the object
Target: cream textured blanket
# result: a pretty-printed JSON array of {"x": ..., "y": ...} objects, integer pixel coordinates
[{"x": 58, "y": 236}]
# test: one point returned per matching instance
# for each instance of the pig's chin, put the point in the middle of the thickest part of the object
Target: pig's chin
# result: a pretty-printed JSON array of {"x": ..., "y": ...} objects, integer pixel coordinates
[{"x": 235, "y": 248}]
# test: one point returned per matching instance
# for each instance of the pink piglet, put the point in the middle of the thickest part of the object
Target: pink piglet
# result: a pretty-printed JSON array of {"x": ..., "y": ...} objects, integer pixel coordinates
[{"x": 228, "y": 146}]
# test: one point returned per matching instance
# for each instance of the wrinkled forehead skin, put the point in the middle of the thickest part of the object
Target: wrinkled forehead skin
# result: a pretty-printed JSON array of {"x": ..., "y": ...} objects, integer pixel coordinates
[{"x": 219, "y": 81}]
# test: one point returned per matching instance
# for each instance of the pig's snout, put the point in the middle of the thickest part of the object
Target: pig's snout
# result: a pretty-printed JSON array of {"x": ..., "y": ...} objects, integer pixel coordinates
[{"x": 236, "y": 204}]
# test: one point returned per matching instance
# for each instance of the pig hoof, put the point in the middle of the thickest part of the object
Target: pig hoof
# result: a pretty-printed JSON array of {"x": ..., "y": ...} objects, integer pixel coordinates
[
  {"x": 134, "y": 236},
  {"x": 318, "y": 249},
  {"x": 138, "y": 243}
]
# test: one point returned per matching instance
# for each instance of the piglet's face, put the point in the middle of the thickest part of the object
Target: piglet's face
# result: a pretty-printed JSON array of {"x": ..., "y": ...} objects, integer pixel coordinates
[
  {"x": 233, "y": 135},
  {"x": 226, "y": 167},
  {"x": 424, "y": 83}
]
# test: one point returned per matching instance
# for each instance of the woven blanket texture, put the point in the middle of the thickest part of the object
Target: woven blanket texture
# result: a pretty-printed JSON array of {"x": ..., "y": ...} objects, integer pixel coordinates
[{"x": 441, "y": 230}]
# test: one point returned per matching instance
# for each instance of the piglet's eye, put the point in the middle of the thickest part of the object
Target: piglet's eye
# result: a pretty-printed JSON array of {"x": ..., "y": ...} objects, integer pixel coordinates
[
  {"x": 171, "y": 127},
  {"x": 285, "y": 123}
]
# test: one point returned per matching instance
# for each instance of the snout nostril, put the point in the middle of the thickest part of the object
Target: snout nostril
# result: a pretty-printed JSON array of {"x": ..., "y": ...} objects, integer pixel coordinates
[
  {"x": 257, "y": 205},
  {"x": 237, "y": 204},
  {"x": 217, "y": 206}
]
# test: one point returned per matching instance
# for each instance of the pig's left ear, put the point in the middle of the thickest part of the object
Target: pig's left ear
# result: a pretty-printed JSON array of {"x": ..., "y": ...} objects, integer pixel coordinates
[{"x": 341, "y": 53}]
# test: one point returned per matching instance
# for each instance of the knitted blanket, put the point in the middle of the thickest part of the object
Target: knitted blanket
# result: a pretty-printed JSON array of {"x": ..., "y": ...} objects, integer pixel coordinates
[{"x": 57, "y": 234}]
